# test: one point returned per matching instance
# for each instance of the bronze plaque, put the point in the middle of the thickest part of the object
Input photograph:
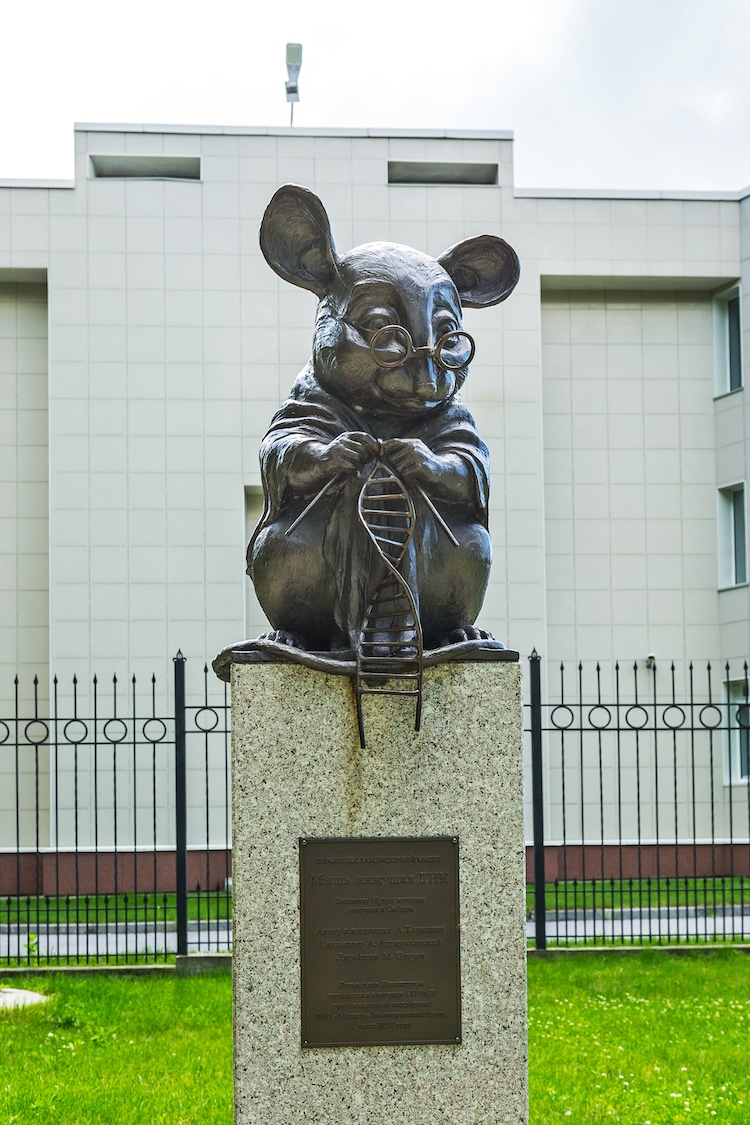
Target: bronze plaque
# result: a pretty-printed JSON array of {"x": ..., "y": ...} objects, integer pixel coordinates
[{"x": 379, "y": 936}]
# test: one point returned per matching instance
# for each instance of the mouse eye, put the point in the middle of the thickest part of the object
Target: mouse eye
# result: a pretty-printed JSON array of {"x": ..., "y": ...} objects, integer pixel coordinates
[
  {"x": 370, "y": 317},
  {"x": 375, "y": 321},
  {"x": 444, "y": 325}
]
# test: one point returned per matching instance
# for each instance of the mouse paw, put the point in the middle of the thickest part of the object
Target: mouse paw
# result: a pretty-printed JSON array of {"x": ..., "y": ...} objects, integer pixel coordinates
[
  {"x": 284, "y": 637},
  {"x": 468, "y": 633}
]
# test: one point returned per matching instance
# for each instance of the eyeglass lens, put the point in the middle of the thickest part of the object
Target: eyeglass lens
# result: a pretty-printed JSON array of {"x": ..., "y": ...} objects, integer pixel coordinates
[{"x": 391, "y": 346}]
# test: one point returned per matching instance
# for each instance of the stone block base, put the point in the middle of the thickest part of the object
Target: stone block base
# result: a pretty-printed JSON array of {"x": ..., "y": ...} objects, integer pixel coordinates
[{"x": 298, "y": 770}]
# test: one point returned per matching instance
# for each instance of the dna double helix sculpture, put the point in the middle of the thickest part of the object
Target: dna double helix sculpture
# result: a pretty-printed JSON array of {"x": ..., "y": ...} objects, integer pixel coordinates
[{"x": 390, "y": 651}]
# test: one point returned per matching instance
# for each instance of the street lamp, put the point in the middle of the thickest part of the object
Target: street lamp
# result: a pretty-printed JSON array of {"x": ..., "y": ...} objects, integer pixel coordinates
[{"x": 293, "y": 64}]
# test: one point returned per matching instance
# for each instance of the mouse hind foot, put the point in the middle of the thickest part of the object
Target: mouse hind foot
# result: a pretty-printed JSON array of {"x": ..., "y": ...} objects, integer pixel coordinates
[
  {"x": 467, "y": 633},
  {"x": 284, "y": 637}
]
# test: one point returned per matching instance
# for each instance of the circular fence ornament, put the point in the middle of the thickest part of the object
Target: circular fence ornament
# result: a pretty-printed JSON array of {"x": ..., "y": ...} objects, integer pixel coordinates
[
  {"x": 710, "y": 716},
  {"x": 154, "y": 730},
  {"x": 636, "y": 717},
  {"x": 562, "y": 717},
  {"x": 114, "y": 731},
  {"x": 600, "y": 717},
  {"x": 673, "y": 717},
  {"x": 206, "y": 718},
  {"x": 75, "y": 731},
  {"x": 36, "y": 732}
]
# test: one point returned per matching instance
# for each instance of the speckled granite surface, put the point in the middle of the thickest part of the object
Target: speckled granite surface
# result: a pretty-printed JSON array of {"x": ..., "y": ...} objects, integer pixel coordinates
[{"x": 299, "y": 771}]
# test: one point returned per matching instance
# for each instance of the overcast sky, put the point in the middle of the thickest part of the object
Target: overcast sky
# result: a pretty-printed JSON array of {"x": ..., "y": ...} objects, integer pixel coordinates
[{"x": 599, "y": 93}]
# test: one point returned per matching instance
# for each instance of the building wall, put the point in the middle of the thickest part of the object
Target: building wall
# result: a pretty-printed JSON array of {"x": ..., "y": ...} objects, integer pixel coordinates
[
  {"x": 24, "y": 548},
  {"x": 171, "y": 343},
  {"x": 629, "y": 458},
  {"x": 24, "y": 502}
]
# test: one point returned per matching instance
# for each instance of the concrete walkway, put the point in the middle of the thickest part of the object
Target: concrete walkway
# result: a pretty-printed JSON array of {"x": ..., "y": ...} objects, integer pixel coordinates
[
  {"x": 667, "y": 925},
  {"x": 92, "y": 942},
  {"x": 20, "y": 998}
]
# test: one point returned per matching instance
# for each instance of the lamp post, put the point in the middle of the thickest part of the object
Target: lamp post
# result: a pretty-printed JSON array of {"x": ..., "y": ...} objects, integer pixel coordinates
[{"x": 293, "y": 64}]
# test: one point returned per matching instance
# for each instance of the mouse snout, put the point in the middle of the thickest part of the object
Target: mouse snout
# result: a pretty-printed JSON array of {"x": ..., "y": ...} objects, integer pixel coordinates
[{"x": 425, "y": 378}]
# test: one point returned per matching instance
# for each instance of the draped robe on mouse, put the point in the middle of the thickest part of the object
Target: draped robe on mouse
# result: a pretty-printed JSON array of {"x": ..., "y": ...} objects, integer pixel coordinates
[{"x": 312, "y": 414}]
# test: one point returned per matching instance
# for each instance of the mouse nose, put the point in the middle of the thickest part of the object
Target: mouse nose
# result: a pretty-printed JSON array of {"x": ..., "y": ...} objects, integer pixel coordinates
[{"x": 425, "y": 378}]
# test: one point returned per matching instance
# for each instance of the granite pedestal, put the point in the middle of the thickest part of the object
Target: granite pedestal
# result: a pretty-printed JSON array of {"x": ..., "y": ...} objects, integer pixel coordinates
[{"x": 298, "y": 771}]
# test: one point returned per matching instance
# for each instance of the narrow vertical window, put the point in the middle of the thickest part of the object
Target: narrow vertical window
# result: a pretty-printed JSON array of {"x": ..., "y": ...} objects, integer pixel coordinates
[
  {"x": 738, "y": 709},
  {"x": 739, "y": 537},
  {"x": 727, "y": 342},
  {"x": 732, "y": 529},
  {"x": 255, "y": 619},
  {"x": 733, "y": 342}
]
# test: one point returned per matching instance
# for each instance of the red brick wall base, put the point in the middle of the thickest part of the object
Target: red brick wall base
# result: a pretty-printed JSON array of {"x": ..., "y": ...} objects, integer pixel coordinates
[
  {"x": 65, "y": 873},
  {"x": 86, "y": 873},
  {"x": 592, "y": 861}
]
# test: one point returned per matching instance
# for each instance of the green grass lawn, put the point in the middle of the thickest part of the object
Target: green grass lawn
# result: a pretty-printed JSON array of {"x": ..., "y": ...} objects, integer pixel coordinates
[
  {"x": 637, "y": 1039},
  {"x": 118, "y": 1050},
  {"x": 36, "y": 910},
  {"x": 640, "y": 1039}
]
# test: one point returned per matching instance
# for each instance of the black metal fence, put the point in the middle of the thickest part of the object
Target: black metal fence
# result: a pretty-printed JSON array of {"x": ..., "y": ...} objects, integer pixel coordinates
[
  {"x": 115, "y": 823},
  {"x": 641, "y": 805},
  {"x": 115, "y": 836}
]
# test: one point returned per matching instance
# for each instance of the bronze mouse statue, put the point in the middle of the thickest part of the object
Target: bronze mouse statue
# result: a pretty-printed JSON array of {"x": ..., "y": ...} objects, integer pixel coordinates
[{"x": 389, "y": 358}]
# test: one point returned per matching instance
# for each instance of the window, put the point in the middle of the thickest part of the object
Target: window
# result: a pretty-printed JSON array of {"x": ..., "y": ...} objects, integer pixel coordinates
[
  {"x": 732, "y": 524},
  {"x": 738, "y": 709},
  {"x": 255, "y": 619},
  {"x": 137, "y": 166},
  {"x": 728, "y": 342},
  {"x": 440, "y": 172}
]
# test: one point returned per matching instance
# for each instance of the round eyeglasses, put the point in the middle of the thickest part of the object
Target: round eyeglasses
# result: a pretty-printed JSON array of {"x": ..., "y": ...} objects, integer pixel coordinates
[{"x": 392, "y": 346}]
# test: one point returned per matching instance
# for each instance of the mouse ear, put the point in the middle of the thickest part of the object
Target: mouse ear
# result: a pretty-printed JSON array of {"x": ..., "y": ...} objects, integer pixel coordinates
[
  {"x": 484, "y": 269},
  {"x": 295, "y": 238}
]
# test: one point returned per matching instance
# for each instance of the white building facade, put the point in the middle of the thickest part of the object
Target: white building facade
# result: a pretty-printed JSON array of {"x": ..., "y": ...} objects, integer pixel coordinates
[{"x": 145, "y": 344}]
